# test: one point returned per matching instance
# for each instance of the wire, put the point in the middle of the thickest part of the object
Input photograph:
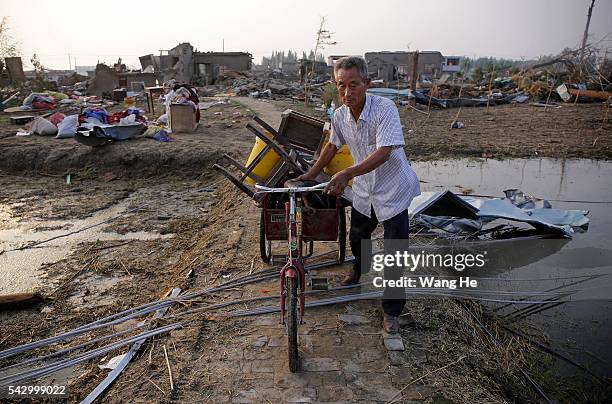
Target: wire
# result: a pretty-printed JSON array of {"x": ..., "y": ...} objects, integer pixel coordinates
[{"x": 55, "y": 366}]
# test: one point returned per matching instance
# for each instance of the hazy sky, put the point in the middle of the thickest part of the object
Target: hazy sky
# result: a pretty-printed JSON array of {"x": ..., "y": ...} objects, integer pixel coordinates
[{"x": 92, "y": 31}]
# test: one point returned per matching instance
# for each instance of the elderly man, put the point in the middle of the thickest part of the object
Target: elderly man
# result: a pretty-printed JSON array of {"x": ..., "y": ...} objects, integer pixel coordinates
[{"x": 383, "y": 181}]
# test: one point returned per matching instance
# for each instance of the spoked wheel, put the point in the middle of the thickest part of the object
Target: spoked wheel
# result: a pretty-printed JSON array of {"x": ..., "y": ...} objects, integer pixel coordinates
[
  {"x": 341, "y": 236},
  {"x": 265, "y": 245},
  {"x": 291, "y": 321}
]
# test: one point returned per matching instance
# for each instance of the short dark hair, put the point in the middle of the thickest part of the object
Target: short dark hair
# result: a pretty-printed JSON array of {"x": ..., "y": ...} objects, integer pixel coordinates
[{"x": 350, "y": 62}]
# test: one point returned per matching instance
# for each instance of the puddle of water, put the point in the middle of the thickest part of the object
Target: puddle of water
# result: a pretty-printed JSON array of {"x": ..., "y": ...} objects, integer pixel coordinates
[
  {"x": 583, "y": 327},
  {"x": 20, "y": 270}
]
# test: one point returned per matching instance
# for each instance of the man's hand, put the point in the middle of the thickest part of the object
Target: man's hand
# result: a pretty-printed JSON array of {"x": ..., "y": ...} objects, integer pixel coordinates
[{"x": 337, "y": 183}]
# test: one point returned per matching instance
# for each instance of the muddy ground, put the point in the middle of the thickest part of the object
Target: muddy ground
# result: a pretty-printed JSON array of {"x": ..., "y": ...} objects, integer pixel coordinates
[{"x": 211, "y": 234}]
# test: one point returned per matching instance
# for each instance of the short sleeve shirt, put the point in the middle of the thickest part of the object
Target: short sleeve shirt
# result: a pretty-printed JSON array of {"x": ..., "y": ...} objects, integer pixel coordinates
[{"x": 390, "y": 187}]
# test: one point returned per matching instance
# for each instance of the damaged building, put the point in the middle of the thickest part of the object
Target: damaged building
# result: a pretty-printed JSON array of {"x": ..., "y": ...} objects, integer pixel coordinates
[
  {"x": 389, "y": 66},
  {"x": 451, "y": 64},
  {"x": 185, "y": 64},
  {"x": 107, "y": 78}
]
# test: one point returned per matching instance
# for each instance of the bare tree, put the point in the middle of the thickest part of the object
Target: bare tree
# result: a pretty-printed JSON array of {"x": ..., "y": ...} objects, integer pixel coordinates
[
  {"x": 323, "y": 39},
  {"x": 8, "y": 45}
]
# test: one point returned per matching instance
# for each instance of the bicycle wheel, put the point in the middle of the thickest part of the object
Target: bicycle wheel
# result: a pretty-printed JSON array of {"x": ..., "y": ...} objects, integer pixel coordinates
[
  {"x": 265, "y": 245},
  {"x": 292, "y": 323},
  {"x": 341, "y": 236}
]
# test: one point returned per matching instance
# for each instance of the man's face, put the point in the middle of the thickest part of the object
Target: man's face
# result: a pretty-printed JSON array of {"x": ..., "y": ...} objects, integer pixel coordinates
[{"x": 351, "y": 87}]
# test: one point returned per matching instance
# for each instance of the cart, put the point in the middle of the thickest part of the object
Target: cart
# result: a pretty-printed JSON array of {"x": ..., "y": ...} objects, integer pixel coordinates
[
  {"x": 293, "y": 223},
  {"x": 297, "y": 142},
  {"x": 296, "y": 212}
]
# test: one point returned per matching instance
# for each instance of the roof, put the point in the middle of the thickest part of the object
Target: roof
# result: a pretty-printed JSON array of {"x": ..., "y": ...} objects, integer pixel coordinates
[
  {"x": 401, "y": 52},
  {"x": 390, "y": 52},
  {"x": 223, "y": 53}
]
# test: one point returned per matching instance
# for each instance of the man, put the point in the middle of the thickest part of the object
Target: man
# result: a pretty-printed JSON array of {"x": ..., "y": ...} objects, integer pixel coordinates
[{"x": 383, "y": 181}]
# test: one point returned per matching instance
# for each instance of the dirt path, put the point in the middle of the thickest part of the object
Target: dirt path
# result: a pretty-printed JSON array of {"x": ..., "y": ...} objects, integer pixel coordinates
[
  {"x": 268, "y": 111},
  {"x": 344, "y": 355}
]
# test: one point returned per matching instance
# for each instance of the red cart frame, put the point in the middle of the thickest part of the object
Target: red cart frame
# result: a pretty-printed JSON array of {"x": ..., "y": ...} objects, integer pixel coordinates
[{"x": 317, "y": 225}]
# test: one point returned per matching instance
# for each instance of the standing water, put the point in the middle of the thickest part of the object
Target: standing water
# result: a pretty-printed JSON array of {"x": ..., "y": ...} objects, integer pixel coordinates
[{"x": 579, "y": 269}]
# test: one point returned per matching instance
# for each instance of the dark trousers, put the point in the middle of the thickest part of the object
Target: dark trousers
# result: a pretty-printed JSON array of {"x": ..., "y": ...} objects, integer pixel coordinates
[{"x": 395, "y": 228}]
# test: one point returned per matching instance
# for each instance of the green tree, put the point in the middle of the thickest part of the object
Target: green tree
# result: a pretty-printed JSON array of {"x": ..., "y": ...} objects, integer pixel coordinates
[{"x": 39, "y": 69}]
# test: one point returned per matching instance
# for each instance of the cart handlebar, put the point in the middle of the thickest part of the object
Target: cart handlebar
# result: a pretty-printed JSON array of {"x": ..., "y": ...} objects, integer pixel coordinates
[{"x": 262, "y": 189}]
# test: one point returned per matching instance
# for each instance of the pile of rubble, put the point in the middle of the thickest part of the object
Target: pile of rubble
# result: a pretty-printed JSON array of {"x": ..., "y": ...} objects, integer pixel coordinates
[
  {"x": 579, "y": 75},
  {"x": 89, "y": 120},
  {"x": 270, "y": 84}
]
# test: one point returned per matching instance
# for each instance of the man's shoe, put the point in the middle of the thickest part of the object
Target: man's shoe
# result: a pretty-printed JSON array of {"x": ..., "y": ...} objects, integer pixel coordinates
[
  {"x": 390, "y": 324},
  {"x": 350, "y": 279}
]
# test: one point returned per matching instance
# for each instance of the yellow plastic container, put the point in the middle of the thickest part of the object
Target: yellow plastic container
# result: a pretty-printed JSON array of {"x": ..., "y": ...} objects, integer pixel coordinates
[
  {"x": 343, "y": 159},
  {"x": 266, "y": 164}
]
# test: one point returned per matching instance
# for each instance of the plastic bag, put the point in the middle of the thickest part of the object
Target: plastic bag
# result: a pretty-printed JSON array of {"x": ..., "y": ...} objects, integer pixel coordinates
[
  {"x": 68, "y": 127},
  {"x": 43, "y": 127},
  {"x": 152, "y": 130},
  {"x": 128, "y": 120},
  {"x": 163, "y": 119},
  {"x": 90, "y": 122},
  {"x": 163, "y": 136}
]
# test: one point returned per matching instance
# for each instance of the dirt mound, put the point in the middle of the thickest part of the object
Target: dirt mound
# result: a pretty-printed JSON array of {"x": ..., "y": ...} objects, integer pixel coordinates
[
  {"x": 221, "y": 130},
  {"x": 140, "y": 157}
]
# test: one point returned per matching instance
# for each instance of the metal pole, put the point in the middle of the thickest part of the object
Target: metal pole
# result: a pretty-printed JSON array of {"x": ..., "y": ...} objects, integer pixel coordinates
[{"x": 586, "y": 30}]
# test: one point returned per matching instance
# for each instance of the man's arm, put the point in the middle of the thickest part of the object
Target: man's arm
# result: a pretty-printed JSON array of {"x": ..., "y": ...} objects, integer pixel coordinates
[
  {"x": 328, "y": 153},
  {"x": 340, "y": 180}
]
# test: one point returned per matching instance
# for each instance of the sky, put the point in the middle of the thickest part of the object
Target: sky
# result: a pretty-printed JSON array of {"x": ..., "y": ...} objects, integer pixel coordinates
[{"x": 105, "y": 31}]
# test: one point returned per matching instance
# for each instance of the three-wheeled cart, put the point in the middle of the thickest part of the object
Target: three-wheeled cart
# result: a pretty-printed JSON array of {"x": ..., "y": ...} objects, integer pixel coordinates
[{"x": 296, "y": 143}]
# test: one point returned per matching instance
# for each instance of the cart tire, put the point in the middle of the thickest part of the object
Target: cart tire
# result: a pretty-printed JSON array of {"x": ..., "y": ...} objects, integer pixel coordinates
[
  {"x": 265, "y": 245},
  {"x": 341, "y": 236},
  {"x": 292, "y": 323}
]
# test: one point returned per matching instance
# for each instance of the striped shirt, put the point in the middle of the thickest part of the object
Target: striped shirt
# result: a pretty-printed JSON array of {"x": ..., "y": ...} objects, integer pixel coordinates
[{"x": 390, "y": 187}]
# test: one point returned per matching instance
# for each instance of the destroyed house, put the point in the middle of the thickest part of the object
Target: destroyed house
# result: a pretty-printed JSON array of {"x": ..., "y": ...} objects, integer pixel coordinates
[
  {"x": 187, "y": 65},
  {"x": 106, "y": 79},
  {"x": 319, "y": 66},
  {"x": 210, "y": 65},
  {"x": 389, "y": 66},
  {"x": 289, "y": 68}
]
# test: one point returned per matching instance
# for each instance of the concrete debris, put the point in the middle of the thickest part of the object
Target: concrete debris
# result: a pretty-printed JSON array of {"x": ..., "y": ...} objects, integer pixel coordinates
[{"x": 394, "y": 344}]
